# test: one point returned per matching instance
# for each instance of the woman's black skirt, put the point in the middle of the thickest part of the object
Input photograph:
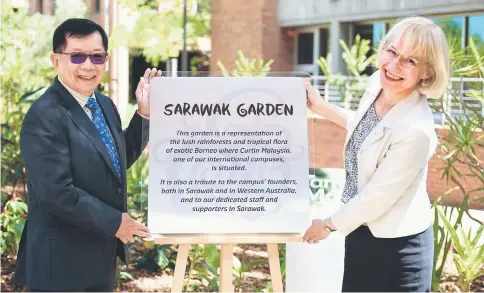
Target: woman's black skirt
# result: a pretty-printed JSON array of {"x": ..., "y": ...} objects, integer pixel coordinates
[{"x": 388, "y": 264}]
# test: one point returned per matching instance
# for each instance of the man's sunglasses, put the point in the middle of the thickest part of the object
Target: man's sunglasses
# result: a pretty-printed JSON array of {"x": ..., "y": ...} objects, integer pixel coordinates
[{"x": 79, "y": 58}]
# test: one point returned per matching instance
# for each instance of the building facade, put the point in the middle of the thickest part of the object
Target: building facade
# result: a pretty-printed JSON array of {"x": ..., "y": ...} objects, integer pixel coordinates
[
  {"x": 95, "y": 8},
  {"x": 296, "y": 33}
]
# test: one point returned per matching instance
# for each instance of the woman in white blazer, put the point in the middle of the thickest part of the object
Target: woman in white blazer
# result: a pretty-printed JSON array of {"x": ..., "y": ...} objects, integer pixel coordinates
[{"x": 386, "y": 216}]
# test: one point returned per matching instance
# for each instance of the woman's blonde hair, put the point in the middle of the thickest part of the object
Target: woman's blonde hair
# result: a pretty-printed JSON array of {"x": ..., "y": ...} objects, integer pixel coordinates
[{"x": 424, "y": 40}]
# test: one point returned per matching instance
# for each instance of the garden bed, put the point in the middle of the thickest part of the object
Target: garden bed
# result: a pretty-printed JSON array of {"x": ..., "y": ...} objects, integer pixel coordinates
[{"x": 254, "y": 280}]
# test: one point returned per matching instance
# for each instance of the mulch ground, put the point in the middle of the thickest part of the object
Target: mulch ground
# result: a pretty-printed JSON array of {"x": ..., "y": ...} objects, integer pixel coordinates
[
  {"x": 7, "y": 283},
  {"x": 448, "y": 284},
  {"x": 255, "y": 280}
]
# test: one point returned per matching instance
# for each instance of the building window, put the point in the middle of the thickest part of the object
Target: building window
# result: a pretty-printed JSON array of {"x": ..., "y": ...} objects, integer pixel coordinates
[
  {"x": 453, "y": 28},
  {"x": 305, "y": 48},
  {"x": 379, "y": 31},
  {"x": 476, "y": 31},
  {"x": 324, "y": 42},
  {"x": 364, "y": 30},
  {"x": 373, "y": 32},
  {"x": 324, "y": 46},
  {"x": 97, "y": 6}
]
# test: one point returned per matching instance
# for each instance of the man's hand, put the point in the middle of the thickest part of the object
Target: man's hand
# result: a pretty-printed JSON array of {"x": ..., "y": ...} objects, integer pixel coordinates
[
  {"x": 129, "y": 228},
  {"x": 143, "y": 91}
]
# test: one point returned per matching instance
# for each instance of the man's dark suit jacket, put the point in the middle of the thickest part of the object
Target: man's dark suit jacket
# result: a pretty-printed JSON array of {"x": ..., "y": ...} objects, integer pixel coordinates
[{"x": 75, "y": 200}]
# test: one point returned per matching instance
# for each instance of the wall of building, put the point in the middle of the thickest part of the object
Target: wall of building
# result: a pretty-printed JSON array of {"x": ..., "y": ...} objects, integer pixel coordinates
[
  {"x": 369, "y": 18},
  {"x": 307, "y": 12},
  {"x": 94, "y": 8},
  {"x": 252, "y": 27},
  {"x": 326, "y": 141}
]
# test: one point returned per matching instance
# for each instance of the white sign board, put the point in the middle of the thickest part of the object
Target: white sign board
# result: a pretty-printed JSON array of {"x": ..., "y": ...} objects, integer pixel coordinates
[
  {"x": 228, "y": 155},
  {"x": 319, "y": 267}
]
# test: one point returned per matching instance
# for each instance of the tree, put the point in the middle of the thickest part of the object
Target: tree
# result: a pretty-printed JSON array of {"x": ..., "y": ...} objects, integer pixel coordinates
[
  {"x": 25, "y": 73},
  {"x": 158, "y": 27}
]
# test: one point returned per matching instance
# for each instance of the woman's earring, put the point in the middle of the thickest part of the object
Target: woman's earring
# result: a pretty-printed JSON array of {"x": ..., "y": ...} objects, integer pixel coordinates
[{"x": 423, "y": 82}]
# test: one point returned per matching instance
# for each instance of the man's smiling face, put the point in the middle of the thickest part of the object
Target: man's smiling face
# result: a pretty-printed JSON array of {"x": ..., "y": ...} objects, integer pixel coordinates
[{"x": 84, "y": 77}]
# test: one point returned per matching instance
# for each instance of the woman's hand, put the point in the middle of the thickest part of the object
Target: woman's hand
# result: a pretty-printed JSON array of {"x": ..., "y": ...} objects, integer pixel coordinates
[
  {"x": 323, "y": 108},
  {"x": 316, "y": 232},
  {"x": 314, "y": 100}
]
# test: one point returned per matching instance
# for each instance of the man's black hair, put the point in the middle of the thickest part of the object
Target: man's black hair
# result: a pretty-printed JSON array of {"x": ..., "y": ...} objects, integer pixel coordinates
[{"x": 78, "y": 28}]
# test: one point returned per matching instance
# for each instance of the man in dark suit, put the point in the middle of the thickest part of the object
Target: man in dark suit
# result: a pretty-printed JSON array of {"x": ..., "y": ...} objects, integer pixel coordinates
[{"x": 76, "y": 155}]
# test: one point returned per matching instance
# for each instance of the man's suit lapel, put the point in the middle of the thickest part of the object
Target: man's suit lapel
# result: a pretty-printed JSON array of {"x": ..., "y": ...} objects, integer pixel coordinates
[{"x": 86, "y": 126}]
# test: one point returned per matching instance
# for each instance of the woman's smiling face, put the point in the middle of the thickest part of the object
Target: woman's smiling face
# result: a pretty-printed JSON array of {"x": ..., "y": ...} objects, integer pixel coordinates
[{"x": 400, "y": 70}]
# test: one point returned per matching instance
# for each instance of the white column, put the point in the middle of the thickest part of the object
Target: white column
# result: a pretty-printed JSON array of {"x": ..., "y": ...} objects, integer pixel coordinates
[
  {"x": 119, "y": 63},
  {"x": 338, "y": 31},
  {"x": 123, "y": 72},
  {"x": 174, "y": 67},
  {"x": 113, "y": 60},
  {"x": 316, "y": 53}
]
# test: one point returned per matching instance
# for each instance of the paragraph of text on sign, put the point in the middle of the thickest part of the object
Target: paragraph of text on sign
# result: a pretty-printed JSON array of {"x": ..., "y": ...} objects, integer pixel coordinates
[{"x": 228, "y": 151}]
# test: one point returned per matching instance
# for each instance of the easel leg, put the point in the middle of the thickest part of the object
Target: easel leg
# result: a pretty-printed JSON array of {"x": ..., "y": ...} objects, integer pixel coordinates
[
  {"x": 226, "y": 256},
  {"x": 180, "y": 268},
  {"x": 275, "y": 267}
]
